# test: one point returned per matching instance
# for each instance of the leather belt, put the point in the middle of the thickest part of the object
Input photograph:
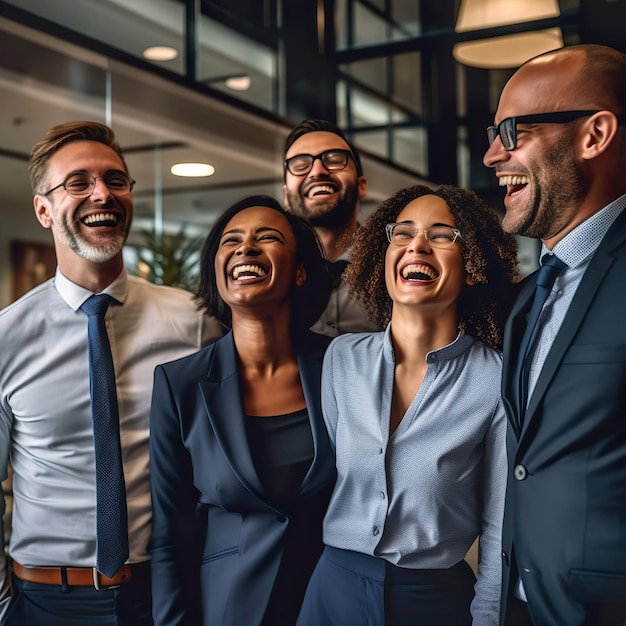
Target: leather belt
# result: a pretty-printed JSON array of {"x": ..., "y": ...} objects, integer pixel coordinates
[{"x": 74, "y": 576}]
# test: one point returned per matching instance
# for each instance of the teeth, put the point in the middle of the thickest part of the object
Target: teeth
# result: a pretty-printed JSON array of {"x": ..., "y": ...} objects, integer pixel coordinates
[
  {"x": 503, "y": 181},
  {"x": 320, "y": 189},
  {"x": 418, "y": 268},
  {"x": 256, "y": 270},
  {"x": 100, "y": 217}
]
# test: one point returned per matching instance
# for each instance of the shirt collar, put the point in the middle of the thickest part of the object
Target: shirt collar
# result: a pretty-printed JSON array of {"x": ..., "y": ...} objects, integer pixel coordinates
[
  {"x": 580, "y": 245},
  {"x": 74, "y": 295}
]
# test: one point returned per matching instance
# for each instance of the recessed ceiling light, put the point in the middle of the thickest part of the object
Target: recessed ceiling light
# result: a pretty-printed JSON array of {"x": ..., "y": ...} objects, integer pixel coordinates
[
  {"x": 160, "y": 53},
  {"x": 238, "y": 83},
  {"x": 192, "y": 170}
]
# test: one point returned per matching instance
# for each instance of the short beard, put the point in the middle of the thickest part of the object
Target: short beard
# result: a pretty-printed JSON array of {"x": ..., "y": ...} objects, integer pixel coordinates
[
  {"x": 95, "y": 253},
  {"x": 561, "y": 185},
  {"x": 334, "y": 219}
]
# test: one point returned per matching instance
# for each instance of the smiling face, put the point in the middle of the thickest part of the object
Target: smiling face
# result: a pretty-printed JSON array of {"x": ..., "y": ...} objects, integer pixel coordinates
[
  {"x": 256, "y": 259},
  {"x": 322, "y": 198},
  {"x": 94, "y": 228},
  {"x": 544, "y": 177},
  {"x": 417, "y": 273}
]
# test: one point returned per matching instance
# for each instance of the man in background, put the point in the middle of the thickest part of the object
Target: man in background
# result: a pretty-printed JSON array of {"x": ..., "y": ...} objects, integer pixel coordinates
[
  {"x": 324, "y": 183},
  {"x": 82, "y": 192},
  {"x": 558, "y": 146}
]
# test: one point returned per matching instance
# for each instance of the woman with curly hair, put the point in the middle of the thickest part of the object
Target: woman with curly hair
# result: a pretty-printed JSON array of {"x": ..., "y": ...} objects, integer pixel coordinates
[
  {"x": 241, "y": 464},
  {"x": 415, "y": 418}
]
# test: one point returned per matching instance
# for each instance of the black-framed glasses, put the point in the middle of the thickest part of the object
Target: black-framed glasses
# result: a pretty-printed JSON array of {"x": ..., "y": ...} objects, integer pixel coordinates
[
  {"x": 439, "y": 236},
  {"x": 507, "y": 128},
  {"x": 81, "y": 184},
  {"x": 332, "y": 160}
]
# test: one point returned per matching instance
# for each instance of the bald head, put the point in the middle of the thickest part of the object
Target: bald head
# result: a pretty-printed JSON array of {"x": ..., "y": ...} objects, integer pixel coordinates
[{"x": 586, "y": 76}]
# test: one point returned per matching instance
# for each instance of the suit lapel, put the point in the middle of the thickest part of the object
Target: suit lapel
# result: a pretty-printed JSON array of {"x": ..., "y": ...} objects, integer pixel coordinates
[
  {"x": 513, "y": 332},
  {"x": 310, "y": 366},
  {"x": 222, "y": 397},
  {"x": 599, "y": 265}
]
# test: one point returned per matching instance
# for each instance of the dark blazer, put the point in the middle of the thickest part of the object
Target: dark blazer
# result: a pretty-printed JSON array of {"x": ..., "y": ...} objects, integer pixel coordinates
[
  {"x": 565, "y": 513},
  {"x": 216, "y": 541}
]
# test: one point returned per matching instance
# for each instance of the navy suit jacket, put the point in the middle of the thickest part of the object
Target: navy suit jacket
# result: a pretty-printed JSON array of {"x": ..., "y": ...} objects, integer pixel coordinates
[
  {"x": 216, "y": 541},
  {"x": 565, "y": 513}
]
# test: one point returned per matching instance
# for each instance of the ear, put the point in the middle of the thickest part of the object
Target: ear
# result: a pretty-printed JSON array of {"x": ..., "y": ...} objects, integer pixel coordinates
[
  {"x": 300, "y": 275},
  {"x": 600, "y": 131},
  {"x": 469, "y": 280},
  {"x": 285, "y": 199},
  {"x": 362, "y": 187},
  {"x": 42, "y": 210}
]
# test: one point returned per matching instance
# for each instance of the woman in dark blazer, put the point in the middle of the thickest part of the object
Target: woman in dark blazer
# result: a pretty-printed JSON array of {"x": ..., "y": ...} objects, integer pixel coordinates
[{"x": 241, "y": 465}]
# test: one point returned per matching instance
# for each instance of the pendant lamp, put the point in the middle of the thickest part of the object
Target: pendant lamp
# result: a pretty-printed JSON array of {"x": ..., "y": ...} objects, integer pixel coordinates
[{"x": 505, "y": 51}]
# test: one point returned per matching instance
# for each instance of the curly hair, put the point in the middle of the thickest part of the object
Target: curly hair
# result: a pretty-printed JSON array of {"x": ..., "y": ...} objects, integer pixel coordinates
[
  {"x": 489, "y": 257},
  {"x": 308, "y": 301}
]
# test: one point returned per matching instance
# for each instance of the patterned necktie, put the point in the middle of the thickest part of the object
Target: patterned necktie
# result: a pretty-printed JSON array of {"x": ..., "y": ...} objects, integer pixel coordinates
[
  {"x": 551, "y": 267},
  {"x": 112, "y": 523}
]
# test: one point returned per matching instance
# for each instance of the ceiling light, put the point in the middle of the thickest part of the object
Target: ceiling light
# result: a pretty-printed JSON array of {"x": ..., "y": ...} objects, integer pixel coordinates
[
  {"x": 160, "y": 53},
  {"x": 238, "y": 83},
  {"x": 192, "y": 170},
  {"x": 509, "y": 50}
]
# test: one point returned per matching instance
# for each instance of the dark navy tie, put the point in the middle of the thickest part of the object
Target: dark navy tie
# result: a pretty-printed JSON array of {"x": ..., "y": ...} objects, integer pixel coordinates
[
  {"x": 551, "y": 267},
  {"x": 112, "y": 523}
]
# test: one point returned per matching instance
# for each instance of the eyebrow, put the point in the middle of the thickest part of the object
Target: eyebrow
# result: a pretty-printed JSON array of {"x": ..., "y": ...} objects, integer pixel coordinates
[
  {"x": 262, "y": 229},
  {"x": 435, "y": 224}
]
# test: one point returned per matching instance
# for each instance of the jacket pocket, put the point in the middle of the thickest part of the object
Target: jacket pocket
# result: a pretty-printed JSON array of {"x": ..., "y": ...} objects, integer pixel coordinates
[{"x": 587, "y": 586}]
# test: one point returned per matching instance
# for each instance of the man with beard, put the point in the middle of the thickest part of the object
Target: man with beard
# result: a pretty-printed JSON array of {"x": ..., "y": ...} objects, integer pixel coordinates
[
  {"x": 62, "y": 571},
  {"x": 559, "y": 148},
  {"x": 323, "y": 185}
]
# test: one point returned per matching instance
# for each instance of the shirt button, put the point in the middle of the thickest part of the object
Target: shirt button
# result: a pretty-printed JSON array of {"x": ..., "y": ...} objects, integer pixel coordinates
[
  {"x": 376, "y": 531},
  {"x": 520, "y": 472},
  {"x": 382, "y": 495},
  {"x": 380, "y": 451}
]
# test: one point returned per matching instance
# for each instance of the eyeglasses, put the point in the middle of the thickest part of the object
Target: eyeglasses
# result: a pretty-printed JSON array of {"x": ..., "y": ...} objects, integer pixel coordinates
[
  {"x": 332, "y": 160},
  {"x": 403, "y": 233},
  {"x": 507, "y": 128},
  {"x": 82, "y": 184}
]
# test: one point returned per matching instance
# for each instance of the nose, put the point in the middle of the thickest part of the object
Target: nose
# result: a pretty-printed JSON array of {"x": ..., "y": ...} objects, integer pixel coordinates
[
  {"x": 100, "y": 191},
  {"x": 495, "y": 153},
  {"x": 318, "y": 167},
  {"x": 248, "y": 247},
  {"x": 420, "y": 243}
]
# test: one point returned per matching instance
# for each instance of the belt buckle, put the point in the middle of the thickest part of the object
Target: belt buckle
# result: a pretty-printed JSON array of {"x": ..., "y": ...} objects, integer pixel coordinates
[{"x": 97, "y": 584}]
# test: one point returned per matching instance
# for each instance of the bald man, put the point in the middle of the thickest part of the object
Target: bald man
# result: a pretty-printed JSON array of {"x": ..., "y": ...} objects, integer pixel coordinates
[{"x": 558, "y": 148}]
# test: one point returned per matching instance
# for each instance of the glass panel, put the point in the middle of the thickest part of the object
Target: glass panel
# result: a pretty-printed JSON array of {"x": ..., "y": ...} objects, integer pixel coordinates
[
  {"x": 368, "y": 27},
  {"x": 236, "y": 64},
  {"x": 372, "y": 73},
  {"x": 374, "y": 141},
  {"x": 407, "y": 81},
  {"x": 410, "y": 149},
  {"x": 129, "y": 26},
  {"x": 406, "y": 13}
]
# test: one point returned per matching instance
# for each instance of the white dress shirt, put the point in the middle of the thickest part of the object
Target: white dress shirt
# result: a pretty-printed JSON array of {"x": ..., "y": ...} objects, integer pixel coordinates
[{"x": 45, "y": 413}]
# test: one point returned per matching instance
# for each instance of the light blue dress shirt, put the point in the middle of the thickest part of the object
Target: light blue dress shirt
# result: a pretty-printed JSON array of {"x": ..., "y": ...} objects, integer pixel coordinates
[
  {"x": 420, "y": 497},
  {"x": 45, "y": 414}
]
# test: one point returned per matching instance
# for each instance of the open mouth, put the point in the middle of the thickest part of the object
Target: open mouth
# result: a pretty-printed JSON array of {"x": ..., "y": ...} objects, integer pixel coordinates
[
  {"x": 250, "y": 271},
  {"x": 418, "y": 271},
  {"x": 514, "y": 183},
  {"x": 101, "y": 219},
  {"x": 320, "y": 190}
]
